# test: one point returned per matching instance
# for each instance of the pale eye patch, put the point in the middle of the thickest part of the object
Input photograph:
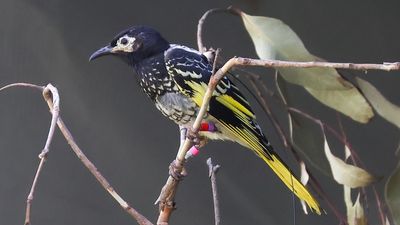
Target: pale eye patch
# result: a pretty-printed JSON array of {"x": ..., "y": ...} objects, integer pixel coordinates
[{"x": 125, "y": 44}]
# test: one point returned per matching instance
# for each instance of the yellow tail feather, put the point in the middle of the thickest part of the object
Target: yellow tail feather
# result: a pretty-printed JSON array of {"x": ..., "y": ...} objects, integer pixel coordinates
[
  {"x": 251, "y": 141},
  {"x": 291, "y": 181}
]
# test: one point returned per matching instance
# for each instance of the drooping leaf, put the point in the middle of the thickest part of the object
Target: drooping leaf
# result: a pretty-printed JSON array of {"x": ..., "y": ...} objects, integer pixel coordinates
[
  {"x": 387, "y": 221},
  {"x": 382, "y": 106},
  {"x": 347, "y": 152},
  {"x": 308, "y": 140},
  {"x": 346, "y": 174},
  {"x": 305, "y": 135},
  {"x": 350, "y": 102},
  {"x": 392, "y": 194},
  {"x": 355, "y": 212},
  {"x": 304, "y": 177},
  {"x": 273, "y": 39}
]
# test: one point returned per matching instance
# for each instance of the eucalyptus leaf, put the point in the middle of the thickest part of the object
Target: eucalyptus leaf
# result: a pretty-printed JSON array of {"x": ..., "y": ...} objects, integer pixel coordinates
[
  {"x": 382, "y": 106},
  {"x": 273, "y": 39},
  {"x": 346, "y": 174},
  {"x": 306, "y": 136},
  {"x": 304, "y": 178},
  {"x": 350, "y": 102},
  {"x": 392, "y": 194}
]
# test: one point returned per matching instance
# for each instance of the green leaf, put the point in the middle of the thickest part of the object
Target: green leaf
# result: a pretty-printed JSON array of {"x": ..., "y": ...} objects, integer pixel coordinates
[
  {"x": 306, "y": 136},
  {"x": 273, "y": 39},
  {"x": 350, "y": 102},
  {"x": 392, "y": 194},
  {"x": 346, "y": 174},
  {"x": 383, "y": 107},
  {"x": 308, "y": 140}
]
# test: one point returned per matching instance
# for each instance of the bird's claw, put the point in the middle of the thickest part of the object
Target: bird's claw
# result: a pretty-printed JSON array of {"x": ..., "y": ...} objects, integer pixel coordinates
[
  {"x": 173, "y": 171},
  {"x": 197, "y": 140}
]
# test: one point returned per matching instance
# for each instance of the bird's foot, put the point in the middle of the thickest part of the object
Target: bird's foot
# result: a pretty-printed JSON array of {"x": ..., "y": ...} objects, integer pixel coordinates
[
  {"x": 173, "y": 171},
  {"x": 197, "y": 140}
]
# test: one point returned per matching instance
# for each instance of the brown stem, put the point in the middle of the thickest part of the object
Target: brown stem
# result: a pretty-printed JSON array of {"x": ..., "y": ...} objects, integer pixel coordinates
[
  {"x": 55, "y": 111},
  {"x": 200, "y": 25},
  {"x": 50, "y": 94},
  {"x": 167, "y": 195},
  {"x": 240, "y": 61},
  {"x": 212, "y": 171},
  {"x": 100, "y": 178},
  {"x": 382, "y": 214}
]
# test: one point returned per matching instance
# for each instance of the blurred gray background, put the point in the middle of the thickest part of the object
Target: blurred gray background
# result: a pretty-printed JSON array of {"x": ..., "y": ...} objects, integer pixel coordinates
[{"x": 127, "y": 138}]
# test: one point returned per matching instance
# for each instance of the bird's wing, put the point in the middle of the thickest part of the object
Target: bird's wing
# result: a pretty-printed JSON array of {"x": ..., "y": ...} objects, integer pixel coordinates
[{"x": 191, "y": 71}]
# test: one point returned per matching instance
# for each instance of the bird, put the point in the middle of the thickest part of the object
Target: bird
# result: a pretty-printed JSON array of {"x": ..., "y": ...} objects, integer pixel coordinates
[{"x": 175, "y": 78}]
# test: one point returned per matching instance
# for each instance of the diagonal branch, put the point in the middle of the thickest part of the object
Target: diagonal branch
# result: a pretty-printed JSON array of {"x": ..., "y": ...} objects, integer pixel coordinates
[
  {"x": 167, "y": 195},
  {"x": 95, "y": 172},
  {"x": 50, "y": 94}
]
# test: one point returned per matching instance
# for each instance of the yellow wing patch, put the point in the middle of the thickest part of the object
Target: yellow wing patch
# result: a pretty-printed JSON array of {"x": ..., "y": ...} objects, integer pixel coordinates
[
  {"x": 234, "y": 105},
  {"x": 199, "y": 90}
]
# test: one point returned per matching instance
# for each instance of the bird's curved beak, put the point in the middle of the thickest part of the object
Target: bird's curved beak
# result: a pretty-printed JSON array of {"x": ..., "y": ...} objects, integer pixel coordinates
[{"x": 101, "y": 52}]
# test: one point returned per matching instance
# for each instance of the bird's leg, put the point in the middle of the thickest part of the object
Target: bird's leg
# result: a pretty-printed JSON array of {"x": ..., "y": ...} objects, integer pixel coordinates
[
  {"x": 173, "y": 166},
  {"x": 198, "y": 140}
]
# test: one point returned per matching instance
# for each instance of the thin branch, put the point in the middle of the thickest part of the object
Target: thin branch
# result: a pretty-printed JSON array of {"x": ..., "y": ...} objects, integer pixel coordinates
[
  {"x": 200, "y": 44},
  {"x": 50, "y": 94},
  {"x": 102, "y": 180},
  {"x": 55, "y": 111},
  {"x": 43, "y": 154},
  {"x": 40, "y": 88},
  {"x": 212, "y": 171},
  {"x": 271, "y": 116},
  {"x": 240, "y": 61},
  {"x": 167, "y": 195},
  {"x": 382, "y": 214}
]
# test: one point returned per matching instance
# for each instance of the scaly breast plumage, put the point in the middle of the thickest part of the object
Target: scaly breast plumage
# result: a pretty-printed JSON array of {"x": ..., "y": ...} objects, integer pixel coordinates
[{"x": 177, "y": 107}]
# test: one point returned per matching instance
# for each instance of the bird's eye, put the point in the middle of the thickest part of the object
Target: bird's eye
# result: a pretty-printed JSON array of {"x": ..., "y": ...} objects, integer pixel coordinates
[{"x": 124, "y": 41}]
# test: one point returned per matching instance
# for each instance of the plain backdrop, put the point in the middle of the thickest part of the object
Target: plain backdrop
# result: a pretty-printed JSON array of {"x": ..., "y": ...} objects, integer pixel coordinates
[{"x": 132, "y": 144}]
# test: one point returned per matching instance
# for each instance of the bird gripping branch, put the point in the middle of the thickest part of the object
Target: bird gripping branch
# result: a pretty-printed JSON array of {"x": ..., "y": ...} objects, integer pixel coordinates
[{"x": 175, "y": 78}]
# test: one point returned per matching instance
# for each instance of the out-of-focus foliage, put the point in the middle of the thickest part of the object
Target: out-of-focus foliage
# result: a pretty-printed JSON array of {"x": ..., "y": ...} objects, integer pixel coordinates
[
  {"x": 346, "y": 174},
  {"x": 355, "y": 212},
  {"x": 273, "y": 39},
  {"x": 382, "y": 106},
  {"x": 392, "y": 194}
]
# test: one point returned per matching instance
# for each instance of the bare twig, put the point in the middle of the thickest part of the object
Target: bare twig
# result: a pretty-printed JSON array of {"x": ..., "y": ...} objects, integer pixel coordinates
[
  {"x": 43, "y": 155},
  {"x": 167, "y": 195},
  {"x": 382, "y": 214},
  {"x": 102, "y": 180},
  {"x": 240, "y": 61},
  {"x": 40, "y": 88},
  {"x": 49, "y": 90},
  {"x": 50, "y": 94},
  {"x": 200, "y": 44},
  {"x": 271, "y": 116},
  {"x": 212, "y": 171}
]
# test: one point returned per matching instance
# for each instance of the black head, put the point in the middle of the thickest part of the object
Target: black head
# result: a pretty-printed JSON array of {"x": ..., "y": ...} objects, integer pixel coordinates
[{"x": 134, "y": 44}]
